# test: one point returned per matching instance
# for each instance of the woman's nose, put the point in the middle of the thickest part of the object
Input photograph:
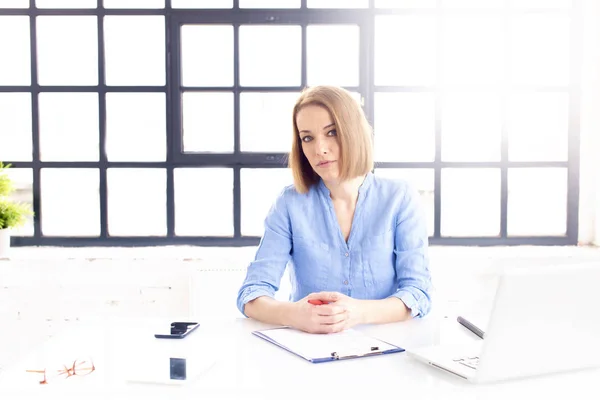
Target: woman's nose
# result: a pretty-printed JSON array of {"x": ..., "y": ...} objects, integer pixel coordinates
[{"x": 321, "y": 147}]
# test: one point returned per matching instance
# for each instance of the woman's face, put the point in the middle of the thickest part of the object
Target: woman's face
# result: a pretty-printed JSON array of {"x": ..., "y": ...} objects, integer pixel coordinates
[{"x": 319, "y": 140}]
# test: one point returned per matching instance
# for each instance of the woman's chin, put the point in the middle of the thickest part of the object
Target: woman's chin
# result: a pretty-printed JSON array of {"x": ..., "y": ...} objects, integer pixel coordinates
[{"x": 329, "y": 176}]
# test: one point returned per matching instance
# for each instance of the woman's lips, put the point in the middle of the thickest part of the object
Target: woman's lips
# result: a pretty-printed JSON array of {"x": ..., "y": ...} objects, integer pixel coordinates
[{"x": 324, "y": 164}]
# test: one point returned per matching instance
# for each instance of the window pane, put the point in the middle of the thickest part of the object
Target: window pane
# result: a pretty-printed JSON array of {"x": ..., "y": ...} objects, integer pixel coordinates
[
  {"x": 358, "y": 97},
  {"x": 473, "y": 3},
  {"x": 197, "y": 214},
  {"x": 470, "y": 58},
  {"x": 540, "y": 49},
  {"x": 470, "y": 202},
  {"x": 266, "y": 121},
  {"x": 471, "y": 126},
  {"x": 404, "y": 127},
  {"x": 135, "y": 50},
  {"x": 15, "y": 68},
  {"x": 542, "y": 3},
  {"x": 15, "y": 126},
  {"x": 423, "y": 181},
  {"x": 208, "y": 122},
  {"x": 69, "y": 127},
  {"x": 22, "y": 179},
  {"x": 260, "y": 188},
  {"x": 201, "y": 3},
  {"x": 136, "y": 127},
  {"x": 338, "y": 3},
  {"x": 66, "y": 3},
  {"x": 67, "y": 49},
  {"x": 332, "y": 53},
  {"x": 269, "y": 3},
  {"x": 134, "y": 3},
  {"x": 70, "y": 202},
  {"x": 14, "y": 4},
  {"x": 538, "y": 127},
  {"x": 405, "y": 3},
  {"x": 537, "y": 201},
  {"x": 270, "y": 55},
  {"x": 137, "y": 202},
  {"x": 405, "y": 48},
  {"x": 207, "y": 55}
]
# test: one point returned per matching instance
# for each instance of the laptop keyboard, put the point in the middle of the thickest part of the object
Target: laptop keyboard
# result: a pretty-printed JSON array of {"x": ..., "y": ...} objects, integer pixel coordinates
[{"x": 471, "y": 362}]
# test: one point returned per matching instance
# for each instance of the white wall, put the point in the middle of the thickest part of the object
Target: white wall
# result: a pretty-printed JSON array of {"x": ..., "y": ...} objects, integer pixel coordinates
[{"x": 589, "y": 205}]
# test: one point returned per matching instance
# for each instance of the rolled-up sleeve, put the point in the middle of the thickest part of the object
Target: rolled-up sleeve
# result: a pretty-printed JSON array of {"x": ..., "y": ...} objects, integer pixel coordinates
[
  {"x": 264, "y": 273},
  {"x": 412, "y": 259}
]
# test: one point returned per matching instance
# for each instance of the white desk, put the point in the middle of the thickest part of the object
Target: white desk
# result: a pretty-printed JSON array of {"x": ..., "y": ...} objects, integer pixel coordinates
[{"x": 249, "y": 367}]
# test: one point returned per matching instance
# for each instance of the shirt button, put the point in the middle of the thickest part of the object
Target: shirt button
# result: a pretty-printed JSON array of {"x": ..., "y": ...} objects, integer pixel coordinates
[
  {"x": 345, "y": 282},
  {"x": 346, "y": 254}
]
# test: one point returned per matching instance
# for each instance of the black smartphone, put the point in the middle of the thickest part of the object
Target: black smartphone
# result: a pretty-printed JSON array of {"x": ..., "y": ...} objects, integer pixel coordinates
[{"x": 179, "y": 330}]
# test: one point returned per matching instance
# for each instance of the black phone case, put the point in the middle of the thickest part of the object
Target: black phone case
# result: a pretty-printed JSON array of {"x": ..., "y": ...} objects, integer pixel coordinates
[{"x": 181, "y": 335}]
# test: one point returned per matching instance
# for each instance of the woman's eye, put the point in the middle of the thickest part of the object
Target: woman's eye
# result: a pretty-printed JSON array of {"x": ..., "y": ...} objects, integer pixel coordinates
[
  {"x": 332, "y": 132},
  {"x": 306, "y": 139}
]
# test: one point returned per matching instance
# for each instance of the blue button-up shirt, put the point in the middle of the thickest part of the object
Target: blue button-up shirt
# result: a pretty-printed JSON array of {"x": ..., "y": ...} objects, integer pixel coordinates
[{"x": 385, "y": 255}]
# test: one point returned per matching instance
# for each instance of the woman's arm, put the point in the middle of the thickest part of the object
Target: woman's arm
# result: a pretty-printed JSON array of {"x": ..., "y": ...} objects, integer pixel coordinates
[
  {"x": 412, "y": 296},
  {"x": 412, "y": 259},
  {"x": 256, "y": 296},
  {"x": 302, "y": 315},
  {"x": 264, "y": 273},
  {"x": 384, "y": 311},
  {"x": 269, "y": 310},
  {"x": 358, "y": 312}
]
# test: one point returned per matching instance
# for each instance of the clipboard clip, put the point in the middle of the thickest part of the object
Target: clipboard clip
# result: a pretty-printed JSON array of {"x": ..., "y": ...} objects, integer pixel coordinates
[{"x": 374, "y": 350}]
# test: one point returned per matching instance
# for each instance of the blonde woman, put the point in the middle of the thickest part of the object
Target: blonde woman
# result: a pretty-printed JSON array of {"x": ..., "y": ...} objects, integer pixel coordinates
[{"x": 356, "y": 243}]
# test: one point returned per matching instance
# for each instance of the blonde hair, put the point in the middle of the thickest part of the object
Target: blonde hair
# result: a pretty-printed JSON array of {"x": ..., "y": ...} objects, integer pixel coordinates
[{"x": 354, "y": 134}]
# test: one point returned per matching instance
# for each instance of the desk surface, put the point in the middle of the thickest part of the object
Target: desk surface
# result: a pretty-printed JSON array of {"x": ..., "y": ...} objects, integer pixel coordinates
[{"x": 253, "y": 368}]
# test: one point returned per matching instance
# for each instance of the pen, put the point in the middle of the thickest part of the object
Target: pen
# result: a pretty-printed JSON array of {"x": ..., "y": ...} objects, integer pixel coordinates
[
  {"x": 317, "y": 302},
  {"x": 470, "y": 327}
]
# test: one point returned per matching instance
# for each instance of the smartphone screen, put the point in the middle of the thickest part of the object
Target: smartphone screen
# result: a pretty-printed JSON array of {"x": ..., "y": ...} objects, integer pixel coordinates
[
  {"x": 177, "y": 368},
  {"x": 178, "y": 330},
  {"x": 167, "y": 370}
]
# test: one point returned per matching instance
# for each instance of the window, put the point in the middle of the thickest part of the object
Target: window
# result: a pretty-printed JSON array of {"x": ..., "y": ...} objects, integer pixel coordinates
[{"x": 166, "y": 122}]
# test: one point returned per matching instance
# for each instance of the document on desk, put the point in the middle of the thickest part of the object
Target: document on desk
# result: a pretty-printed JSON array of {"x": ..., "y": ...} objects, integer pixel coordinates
[{"x": 318, "y": 348}]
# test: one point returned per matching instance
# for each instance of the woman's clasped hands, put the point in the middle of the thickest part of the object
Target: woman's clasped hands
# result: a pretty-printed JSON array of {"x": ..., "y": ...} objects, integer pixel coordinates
[{"x": 326, "y": 312}]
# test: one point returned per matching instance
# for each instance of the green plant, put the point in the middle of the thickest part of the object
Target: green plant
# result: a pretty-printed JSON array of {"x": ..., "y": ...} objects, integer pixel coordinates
[
  {"x": 6, "y": 185},
  {"x": 12, "y": 214}
]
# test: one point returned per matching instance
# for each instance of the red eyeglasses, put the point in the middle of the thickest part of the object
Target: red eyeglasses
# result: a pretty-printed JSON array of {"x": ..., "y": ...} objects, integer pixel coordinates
[{"x": 80, "y": 367}]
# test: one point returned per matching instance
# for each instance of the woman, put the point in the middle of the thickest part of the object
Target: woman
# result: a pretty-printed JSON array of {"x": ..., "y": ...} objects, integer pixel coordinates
[{"x": 355, "y": 242}]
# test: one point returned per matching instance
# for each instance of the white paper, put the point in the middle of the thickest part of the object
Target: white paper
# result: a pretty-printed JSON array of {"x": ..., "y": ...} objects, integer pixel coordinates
[{"x": 313, "y": 346}]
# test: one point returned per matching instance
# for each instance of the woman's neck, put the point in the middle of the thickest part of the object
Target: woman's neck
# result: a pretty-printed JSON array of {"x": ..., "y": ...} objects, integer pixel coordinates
[{"x": 346, "y": 191}]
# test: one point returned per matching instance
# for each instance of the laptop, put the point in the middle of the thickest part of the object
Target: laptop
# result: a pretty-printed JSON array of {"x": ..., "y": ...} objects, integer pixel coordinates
[{"x": 544, "y": 319}]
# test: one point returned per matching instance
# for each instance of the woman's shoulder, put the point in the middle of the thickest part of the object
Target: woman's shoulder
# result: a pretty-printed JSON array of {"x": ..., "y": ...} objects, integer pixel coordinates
[
  {"x": 401, "y": 195},
  {"x": 392, "y": 186},
  {"x": 290, "y": 192},
  {"x": 289, "y": 196}
]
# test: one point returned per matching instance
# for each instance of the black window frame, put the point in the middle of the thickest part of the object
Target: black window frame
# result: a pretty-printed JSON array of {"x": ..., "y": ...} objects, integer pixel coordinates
[{"x": 303, "y": 16}]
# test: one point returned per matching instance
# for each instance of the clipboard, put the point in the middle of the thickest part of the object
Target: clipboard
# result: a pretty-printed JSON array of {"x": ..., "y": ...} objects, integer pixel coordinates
[{"x": 320, "y": 348}]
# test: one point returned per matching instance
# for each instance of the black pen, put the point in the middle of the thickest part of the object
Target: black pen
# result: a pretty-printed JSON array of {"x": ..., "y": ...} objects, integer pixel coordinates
[{"x": 470, "y": 327}]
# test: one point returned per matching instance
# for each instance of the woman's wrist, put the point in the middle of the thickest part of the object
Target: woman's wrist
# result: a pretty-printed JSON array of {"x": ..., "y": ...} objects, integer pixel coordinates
[
  {"x": 285, "y": 312},
  {"x": 361, "y": 311},
  {"x": 383, "y": 311},
  {"x": 269, "y": 310}
]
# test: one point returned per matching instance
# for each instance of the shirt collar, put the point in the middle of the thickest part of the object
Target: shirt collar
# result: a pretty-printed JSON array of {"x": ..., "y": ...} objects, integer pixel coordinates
[{"x": 361, "y": 189}]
